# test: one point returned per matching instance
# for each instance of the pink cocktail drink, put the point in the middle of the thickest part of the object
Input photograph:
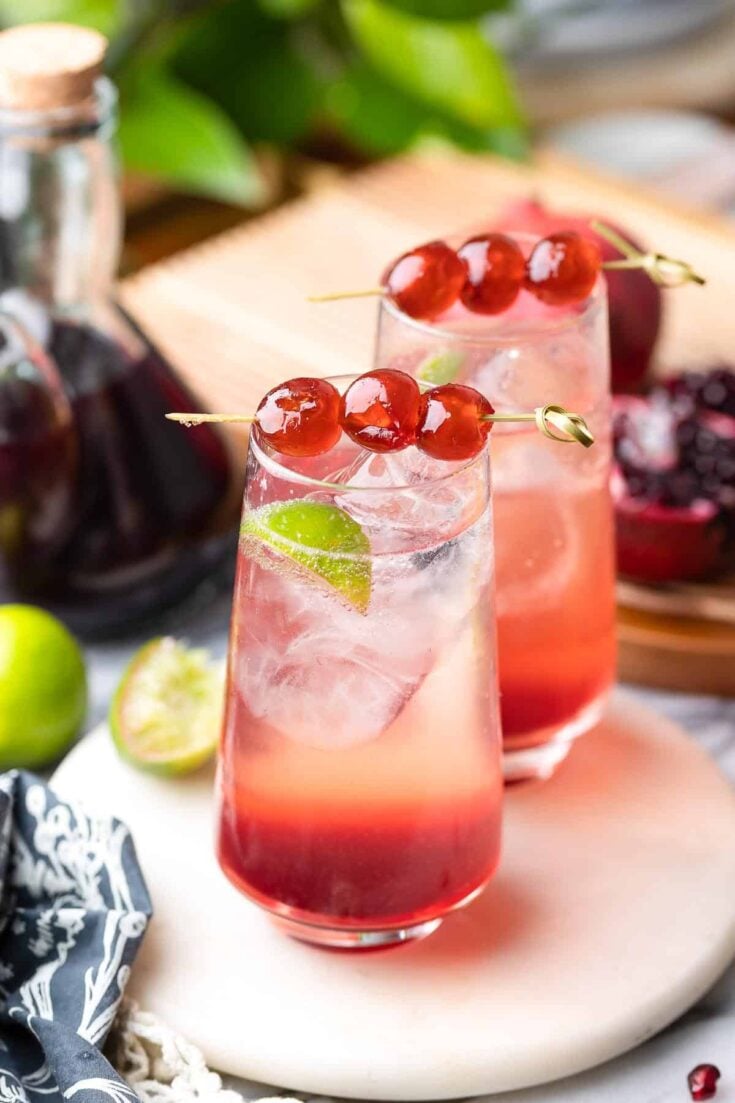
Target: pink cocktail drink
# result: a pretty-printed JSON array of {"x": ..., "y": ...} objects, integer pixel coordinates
[
  {"x": 555, "y": 576},
  {"x": 360, "y": 779},
  {"x": 553, "y": 516}
]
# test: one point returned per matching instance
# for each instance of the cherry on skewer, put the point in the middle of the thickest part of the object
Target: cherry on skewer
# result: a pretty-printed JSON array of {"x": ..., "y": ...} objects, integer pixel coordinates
[
  {"x": 380, "y": 410},
  {"x": 487, "y": 275},
  {"x": 454, "y": 422},
  {"x": 495, "y": 273},
  {"x": 300, "y": 417},
  {"x": 386, "y": 413},
  {"x": 427, "y": 281},
  {"x": 423, "y": 283},
  {"x": 563, "y": 268}
]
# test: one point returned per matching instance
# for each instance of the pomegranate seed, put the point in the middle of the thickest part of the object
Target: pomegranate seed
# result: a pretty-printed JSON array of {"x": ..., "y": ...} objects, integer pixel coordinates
[
  {"x": 563, "y": 268},
  {"x": 450, "y": 422},
  {"x": 300, "y": 417},
  {"x": 496, "y": 269},
  {"x": 427, "y": 281},
  {"x": 702, "y": 1081},
  {"x": 380, "y": 410}
]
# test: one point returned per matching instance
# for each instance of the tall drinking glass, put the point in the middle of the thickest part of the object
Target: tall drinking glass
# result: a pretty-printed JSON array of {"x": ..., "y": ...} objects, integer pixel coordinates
[
  {"x": 553, "y": 514},
  {"x": 359, "y": 778}
]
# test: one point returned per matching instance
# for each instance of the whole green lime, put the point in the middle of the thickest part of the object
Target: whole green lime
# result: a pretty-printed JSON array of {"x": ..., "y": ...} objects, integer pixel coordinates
[{"x": 43, "y": 687}]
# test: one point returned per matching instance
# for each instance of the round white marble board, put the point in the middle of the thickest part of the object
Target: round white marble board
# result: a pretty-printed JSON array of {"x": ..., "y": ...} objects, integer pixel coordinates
[{"x": 613, "y": 911}]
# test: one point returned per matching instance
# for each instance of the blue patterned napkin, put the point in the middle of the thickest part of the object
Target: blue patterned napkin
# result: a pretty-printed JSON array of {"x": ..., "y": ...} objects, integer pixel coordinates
[{"x": 73, "y": 911}]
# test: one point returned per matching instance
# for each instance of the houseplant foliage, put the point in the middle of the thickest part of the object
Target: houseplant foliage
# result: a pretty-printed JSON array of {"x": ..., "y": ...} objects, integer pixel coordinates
[{"x": 206, "y": 84}]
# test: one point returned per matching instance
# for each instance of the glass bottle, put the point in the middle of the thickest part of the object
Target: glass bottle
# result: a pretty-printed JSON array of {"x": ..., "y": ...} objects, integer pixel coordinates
[
  {"x": 38, "y": 462},
  {"x": 152, "y": 510}
]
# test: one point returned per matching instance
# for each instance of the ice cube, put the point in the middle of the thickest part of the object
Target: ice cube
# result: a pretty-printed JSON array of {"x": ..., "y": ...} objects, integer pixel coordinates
[
  {"x": 324, "y": 674},
  {"x": 421, "y": 506},
  {"x": 530, "y": 375}
]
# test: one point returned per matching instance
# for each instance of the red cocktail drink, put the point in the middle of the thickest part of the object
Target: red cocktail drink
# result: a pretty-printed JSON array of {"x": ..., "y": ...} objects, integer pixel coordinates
[{"x": 360, "y": 778}]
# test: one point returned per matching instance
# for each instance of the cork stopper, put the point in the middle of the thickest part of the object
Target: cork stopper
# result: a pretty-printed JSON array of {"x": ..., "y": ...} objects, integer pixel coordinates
[{"x": 49, "y": 65}]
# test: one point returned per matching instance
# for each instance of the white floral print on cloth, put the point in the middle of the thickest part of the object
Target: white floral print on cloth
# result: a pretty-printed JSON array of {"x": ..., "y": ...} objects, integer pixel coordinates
[{"x": 73, "y": 911}]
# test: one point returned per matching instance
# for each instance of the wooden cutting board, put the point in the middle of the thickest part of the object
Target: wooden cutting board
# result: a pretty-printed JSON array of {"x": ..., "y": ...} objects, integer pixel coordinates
[{"x": 233, "y": 315}]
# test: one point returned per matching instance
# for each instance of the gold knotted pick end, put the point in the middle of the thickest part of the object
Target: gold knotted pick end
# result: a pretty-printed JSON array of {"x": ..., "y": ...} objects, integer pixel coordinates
[{"x": 560, "y": 425}]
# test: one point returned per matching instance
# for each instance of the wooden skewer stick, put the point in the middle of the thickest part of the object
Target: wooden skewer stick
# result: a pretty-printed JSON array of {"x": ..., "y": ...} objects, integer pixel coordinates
[
  {"x": 573, "y": 426},
  {"x": 333, "y": 296},
  {"x": 190, "y": 420}
]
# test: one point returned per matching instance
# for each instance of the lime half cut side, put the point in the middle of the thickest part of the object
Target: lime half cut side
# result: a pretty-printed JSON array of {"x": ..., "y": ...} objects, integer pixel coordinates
[
  {"x": 322, "y": 542},
  {"x": 167, "y": 712},
  {"x": 439, "y": 368}
]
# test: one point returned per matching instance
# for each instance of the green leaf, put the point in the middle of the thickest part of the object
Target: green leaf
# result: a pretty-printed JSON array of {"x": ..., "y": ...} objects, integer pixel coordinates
[
  {"x": 379, "y": 119},
  {"x": 507, "y": 141},
  {"x": 251, "y": 66},
  {"x": 450, "y": 9},
  {"x": 451, "y": 66},
  {"x": 373, "y": 115},
  {"x": 103, "y": 15},
  {"x": 170, "y": 131},
  {"x": 287, "y": 9}
]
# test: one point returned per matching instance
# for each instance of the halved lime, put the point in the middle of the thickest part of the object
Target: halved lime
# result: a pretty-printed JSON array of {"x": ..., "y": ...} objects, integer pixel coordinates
[
  {"x": 167, "y": 712},
  {"x": 439, "y": 368},
  {"x": 321, "y": 540}
]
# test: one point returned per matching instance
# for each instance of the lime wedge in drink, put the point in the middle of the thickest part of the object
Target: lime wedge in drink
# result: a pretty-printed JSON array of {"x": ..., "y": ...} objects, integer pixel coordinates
[
  {"x": 439, "y": 368},
  {"x": 324, "y": 543},
  {"x": 167, "y": 712}
]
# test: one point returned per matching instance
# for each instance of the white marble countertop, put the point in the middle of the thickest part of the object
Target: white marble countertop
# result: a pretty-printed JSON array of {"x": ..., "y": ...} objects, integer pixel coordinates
[{"x": 653, "y": 1073}]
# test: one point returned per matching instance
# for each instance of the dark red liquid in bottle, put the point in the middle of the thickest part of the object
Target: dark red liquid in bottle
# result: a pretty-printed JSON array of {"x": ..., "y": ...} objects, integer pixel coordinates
[
  {"x": 37, "y": 473},
  {"x": 145, "y": 501}
]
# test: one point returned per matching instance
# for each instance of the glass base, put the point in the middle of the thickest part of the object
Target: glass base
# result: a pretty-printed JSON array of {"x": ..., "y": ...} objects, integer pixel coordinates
[
  {"x": 289, "y": 921},
  {"x": 333, "y": 938},
  {"x": 352, "y": 938},
  {"x": 536, "y": 756}
]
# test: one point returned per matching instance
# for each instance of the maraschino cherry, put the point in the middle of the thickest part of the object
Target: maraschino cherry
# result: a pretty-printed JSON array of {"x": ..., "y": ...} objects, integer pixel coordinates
[
  {"x": 380, "y": 410},
  {"x": 300, "y": 417},
  {"x": 454, "y": 422},
  {"x": 563, "y": 268},
  {"x": 427, "y": 281},
  {"x": 495, "y": 273}
]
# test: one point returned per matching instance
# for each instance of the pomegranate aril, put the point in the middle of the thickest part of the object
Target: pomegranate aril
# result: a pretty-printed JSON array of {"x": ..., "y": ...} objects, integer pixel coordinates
[
  {"x": 300, "y": 417},
  {"x": 702, "y": 1081},
  {"x": 563, "y": 268},
  {"x": 427, "y": 281},
  {"x": 380, "y": 410},
  {"x": 496, "y": 270},
  {"x": 451, "y": 425}
]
